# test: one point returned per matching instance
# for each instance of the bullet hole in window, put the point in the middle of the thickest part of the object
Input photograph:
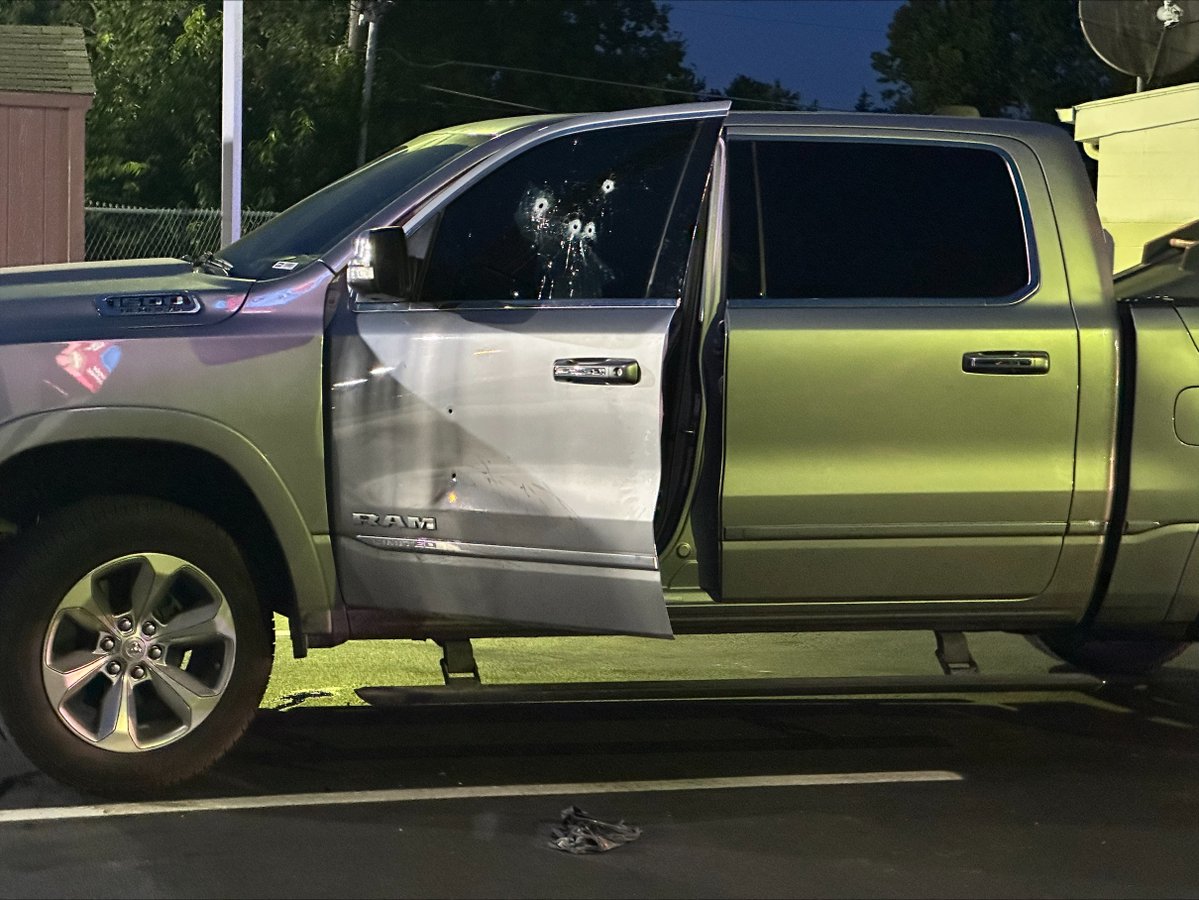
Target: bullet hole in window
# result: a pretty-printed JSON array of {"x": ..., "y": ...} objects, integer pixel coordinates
[{"x": 563, "y": 225}]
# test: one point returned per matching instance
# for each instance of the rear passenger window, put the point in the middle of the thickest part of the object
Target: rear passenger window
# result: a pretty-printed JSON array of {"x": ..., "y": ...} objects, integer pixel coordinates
[{"x": 845, "y": 219}]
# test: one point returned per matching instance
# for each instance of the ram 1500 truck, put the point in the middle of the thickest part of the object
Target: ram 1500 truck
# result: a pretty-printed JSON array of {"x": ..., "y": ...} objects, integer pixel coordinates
[{"x": 672, "y": 370}]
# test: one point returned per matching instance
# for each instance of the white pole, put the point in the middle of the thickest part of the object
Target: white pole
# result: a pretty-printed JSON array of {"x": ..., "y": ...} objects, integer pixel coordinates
[{"x": 231, "y": 42}]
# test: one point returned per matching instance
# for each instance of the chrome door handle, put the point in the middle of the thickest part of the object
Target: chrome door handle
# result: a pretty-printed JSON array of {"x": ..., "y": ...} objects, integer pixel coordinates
[
  {"x": 597, "y": 371},
  {"x": 1006, "y": 362}
]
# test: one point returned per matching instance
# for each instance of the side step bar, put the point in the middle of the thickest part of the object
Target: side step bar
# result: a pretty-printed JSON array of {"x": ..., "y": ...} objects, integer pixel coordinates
[{"x": 721, "y": 689}]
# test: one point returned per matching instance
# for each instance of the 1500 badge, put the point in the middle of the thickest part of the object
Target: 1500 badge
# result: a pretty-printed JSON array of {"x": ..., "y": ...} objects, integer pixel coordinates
[{"x": 425, "y": 523}]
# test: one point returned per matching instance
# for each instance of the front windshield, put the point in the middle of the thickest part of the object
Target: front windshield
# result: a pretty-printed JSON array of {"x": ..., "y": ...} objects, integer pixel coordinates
[{"x": 315, "y": 225}]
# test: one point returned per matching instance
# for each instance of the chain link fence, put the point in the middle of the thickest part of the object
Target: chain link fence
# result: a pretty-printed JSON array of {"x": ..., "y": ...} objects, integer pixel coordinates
[{"x": 133, "y": 232}]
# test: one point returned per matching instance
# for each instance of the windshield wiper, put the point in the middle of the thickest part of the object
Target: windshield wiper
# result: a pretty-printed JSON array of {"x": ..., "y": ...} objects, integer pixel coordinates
[{"x": 210, "y": 262}]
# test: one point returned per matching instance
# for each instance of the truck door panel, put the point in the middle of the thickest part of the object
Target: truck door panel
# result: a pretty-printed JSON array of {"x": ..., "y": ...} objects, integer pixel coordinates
[
  {"x": 496, "y": 441},
  {"x": 522, "y": 496},
  {"x": 867, "y": 456}
]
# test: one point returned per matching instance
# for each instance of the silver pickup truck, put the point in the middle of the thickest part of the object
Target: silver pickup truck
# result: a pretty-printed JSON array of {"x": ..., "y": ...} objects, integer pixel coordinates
[{"x": 663, "y": 371}]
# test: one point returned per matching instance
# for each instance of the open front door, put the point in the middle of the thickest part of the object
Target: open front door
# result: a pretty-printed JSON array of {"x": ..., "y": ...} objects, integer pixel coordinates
[{"x": 496, "y": 440}]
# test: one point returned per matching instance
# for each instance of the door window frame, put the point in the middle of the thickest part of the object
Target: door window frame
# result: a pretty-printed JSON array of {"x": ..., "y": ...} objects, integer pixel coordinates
[
  {"x": 431, "y": 206},
  {"x": 741, "y": 134}
]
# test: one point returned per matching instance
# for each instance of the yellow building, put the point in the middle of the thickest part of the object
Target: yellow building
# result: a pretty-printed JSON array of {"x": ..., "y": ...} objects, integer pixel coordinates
[{"x": 1147, "y": 145}]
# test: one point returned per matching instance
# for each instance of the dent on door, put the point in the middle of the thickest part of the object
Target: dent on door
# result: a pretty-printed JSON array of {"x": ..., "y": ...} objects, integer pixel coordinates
[{"x": 496, "y": 444}]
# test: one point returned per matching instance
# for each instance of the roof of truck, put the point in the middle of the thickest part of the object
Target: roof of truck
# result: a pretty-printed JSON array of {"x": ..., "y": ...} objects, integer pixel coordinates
[
  {"x": 905, "y": 122},
  {"x": 1015, "y": 128}
]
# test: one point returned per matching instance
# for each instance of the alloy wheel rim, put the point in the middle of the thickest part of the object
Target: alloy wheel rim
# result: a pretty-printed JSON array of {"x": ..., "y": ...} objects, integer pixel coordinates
[{"x": 139, "y": 652}]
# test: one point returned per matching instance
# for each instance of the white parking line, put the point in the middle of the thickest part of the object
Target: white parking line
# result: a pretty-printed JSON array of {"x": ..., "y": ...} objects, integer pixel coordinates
[{"x": 408, "y": 795}]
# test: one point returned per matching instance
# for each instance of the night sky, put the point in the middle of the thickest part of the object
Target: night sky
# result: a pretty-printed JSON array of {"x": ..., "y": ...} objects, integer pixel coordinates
[{"x": 820, "y": 48}]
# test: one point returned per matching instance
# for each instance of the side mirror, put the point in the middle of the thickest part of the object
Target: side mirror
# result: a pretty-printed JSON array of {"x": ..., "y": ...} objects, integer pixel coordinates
[{"x": 380, "y": 263}]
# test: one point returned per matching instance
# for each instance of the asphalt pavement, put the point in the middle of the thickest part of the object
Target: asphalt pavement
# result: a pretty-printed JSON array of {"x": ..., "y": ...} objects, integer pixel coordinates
[{"x": 1049, "y": 793}]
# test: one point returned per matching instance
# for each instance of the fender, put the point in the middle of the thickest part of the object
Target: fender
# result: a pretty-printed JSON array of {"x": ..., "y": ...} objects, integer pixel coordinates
[{"x": 308, "y": 556}]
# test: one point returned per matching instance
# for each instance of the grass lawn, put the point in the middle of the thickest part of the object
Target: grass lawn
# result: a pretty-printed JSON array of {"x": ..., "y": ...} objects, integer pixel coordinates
[{"x": 333, "y": 674}]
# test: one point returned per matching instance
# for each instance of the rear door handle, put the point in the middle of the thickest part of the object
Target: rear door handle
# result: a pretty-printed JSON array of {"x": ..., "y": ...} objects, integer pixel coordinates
[
  {"x": 597, "y": 371},
  {"x": 1006, "y": 362}
]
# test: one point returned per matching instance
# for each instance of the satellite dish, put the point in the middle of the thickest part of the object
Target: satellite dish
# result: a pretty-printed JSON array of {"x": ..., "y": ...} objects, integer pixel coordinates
[{"x": 1151, "y": 39}]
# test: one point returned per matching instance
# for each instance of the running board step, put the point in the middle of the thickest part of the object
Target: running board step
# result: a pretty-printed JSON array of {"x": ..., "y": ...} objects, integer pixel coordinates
[{"x": 721, "y": 689}]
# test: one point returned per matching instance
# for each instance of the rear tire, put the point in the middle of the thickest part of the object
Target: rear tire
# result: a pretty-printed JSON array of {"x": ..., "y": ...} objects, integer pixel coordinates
[
  {"x": 135, "y": 650},
  {"x": 1109, "y": 656}
]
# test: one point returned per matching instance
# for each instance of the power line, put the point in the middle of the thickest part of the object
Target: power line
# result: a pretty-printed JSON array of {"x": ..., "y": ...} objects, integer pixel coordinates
[
  {"x": 491, "y": 100},
  {"x": 495, "y": 66},
  {"x": 445, "y": 104},
  {"x": 644, "y": 87}
]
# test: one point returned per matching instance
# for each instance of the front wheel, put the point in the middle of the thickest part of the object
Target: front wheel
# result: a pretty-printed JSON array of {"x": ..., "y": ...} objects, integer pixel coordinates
[
  {"x": 1109, "y": 656},
  {"x": 135, "y": 650}
]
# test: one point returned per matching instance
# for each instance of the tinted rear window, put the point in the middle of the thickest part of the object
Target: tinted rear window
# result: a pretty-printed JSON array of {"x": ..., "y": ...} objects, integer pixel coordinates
[{"x": 843, "y": 219}]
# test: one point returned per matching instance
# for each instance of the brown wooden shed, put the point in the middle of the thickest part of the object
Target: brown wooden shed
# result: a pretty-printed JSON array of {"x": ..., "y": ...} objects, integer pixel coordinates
[{"x": 46, "y": 89}]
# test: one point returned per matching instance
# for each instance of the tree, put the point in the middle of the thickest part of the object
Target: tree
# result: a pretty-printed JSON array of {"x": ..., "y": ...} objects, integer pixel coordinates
[
  {"x": 752, "y": 94},
  {"x": 154, "y": 128},
  {"x": 1006, "y": 57},
  {"x": 153, "y": 131},
  {"x": 441, "y": 62},
  {"x": 865, "y": 102}
]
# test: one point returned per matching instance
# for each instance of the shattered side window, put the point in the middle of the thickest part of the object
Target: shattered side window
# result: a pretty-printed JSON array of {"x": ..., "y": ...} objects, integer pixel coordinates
[{"x": 587, "y": 216}]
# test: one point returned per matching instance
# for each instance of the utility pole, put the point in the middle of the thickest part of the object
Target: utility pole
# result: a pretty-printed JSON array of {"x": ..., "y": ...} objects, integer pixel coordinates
[
  {"x": 231, "y": 59},
  {"x": 368, "y": 77},
  {"x": 369, "y": 13},
  {"x": 354, "y": 28}
]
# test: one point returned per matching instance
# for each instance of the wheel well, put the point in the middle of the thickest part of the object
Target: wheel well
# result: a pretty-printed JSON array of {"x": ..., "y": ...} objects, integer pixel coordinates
[{"x": 38, "y": 481}]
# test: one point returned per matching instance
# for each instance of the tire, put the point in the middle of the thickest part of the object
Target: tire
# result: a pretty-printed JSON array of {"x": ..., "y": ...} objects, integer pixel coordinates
[
  {"x": 1109, "y": 656},
  {"x": 188, "y": 668}
]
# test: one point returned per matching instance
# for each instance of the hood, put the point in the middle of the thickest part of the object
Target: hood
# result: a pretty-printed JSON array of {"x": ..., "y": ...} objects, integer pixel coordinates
[
  {"x": 23, "y": 281},
  {"x": 82, "y": 301}
]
